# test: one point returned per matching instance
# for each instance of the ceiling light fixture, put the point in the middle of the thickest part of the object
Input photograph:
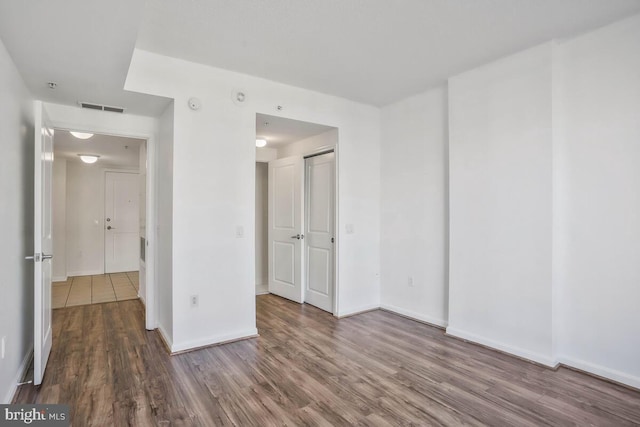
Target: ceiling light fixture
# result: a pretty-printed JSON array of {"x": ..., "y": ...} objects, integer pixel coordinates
[
  {"x": 261, "y": 142},
  {"x": 89, "y": 158},
  {"x": 81, "y": 135}
]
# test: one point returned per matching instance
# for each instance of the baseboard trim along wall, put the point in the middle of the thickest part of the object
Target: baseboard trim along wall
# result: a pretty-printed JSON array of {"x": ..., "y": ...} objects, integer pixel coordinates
[
  {"x": 22, "y": 371},
  {"x": 602, "y": 372},
  {"x": 515, "y": 351},
  {"x": 164, "y": 337},
  {"x": 353, "y": 312},
  {"x": 215, "y": 340},
  {"x": 262, "y": 289},
  {"x": 59, "y": 279},
  {"x": 432, "y": 321},
  {"x": 84, "y": 273}
]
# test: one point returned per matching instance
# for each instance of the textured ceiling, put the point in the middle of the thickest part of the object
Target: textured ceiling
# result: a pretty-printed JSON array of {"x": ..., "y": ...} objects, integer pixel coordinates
[
  {"x": 83, "y": 45},
  {"x": 373, "y": 51}
]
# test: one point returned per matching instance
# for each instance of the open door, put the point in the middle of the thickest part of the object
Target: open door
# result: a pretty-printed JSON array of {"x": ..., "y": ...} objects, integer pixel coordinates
[
  {"x": 286, "y": 183},
  {"x": 43, "y": 247},
  {"x": 319, "y": 234}
]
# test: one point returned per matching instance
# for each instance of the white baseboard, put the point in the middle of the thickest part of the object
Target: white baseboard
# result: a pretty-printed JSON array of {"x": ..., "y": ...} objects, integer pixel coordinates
[
  {"x": 59, "y": 279},
  {"x": 415, "y": 316},
  {"x": 22, "y": 370},
  {"x": 601, "y": 371},
  {"x": 84, "y": 273},
  {"x": 520, "y": 352},
  {"x": 358, "y": 310},
  {"x": 262, "y": 289},
  {"x": 217, "y": 339},
  {"x": 165, "y": 337}
]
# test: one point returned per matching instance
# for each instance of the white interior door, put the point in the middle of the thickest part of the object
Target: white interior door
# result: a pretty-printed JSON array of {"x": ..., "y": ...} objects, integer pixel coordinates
[
  {"x": 286, "y": 181},
  {"x": 319, "y": 233},
  {"x": 43, "y": 243},
  {"x": 121, "y": 220}
]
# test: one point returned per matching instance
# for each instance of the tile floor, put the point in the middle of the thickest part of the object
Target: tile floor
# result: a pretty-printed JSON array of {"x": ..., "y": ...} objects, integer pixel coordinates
[{"x": 83, "y": 290}]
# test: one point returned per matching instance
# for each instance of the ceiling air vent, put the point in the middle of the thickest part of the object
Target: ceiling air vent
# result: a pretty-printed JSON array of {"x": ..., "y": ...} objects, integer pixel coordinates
[
  {"x": 101, "y": 107},
  {"x": 113, "y": 109}
]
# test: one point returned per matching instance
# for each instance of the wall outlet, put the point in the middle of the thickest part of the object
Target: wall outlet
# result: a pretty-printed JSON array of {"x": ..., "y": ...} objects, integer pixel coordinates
[
  {"x": 239, "y": 231},
  {"x": 193, "y": 299},
  {"x": 2, "y": 347},
  {"x": 410, "y": 281}
]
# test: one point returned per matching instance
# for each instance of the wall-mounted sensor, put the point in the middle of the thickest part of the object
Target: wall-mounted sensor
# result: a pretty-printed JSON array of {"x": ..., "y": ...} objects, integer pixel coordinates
[
  {"x": 195, "y": 104},
  {"x": 52, "y": 85},
  {"x": 238, "y": 96}
]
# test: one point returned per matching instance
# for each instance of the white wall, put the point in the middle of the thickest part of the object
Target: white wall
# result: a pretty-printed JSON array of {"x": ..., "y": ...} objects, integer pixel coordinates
[
  {"x": 598, "y": 162},
  {"x": 164, "y": 222},
  {"x": 16, "y": 217},
  {"x": 213, "y": 188},
  {"x": 414, "y": 206},
  {"x": 85, "y": 219},
  {"x": 266, "y": 154},
  {"x": 59, "y": 229},
  {"x": 500, "y": 180},
  {"x": 262, "y": 230},
  {"x": 83, "y": 119}
]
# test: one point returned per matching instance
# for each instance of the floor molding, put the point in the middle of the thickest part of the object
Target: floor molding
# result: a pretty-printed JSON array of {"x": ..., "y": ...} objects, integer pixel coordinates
[
  {"x": 428, "y": 320},
  {"x": 502, "y": 347},
  {"x": 362, "y": 310},
  {"x": 212, "y": 341},
  {"x": 601, "y": 372},
  {"x": 22, "y": 372}
]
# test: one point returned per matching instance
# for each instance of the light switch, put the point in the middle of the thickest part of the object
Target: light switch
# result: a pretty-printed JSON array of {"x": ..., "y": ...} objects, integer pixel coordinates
[
  {"x": 239, "y": 231},
  {"x": 350, "y": 229}
]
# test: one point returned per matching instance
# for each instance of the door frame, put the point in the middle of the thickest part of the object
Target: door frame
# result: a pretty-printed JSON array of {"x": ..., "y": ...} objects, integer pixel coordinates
[
  {"x": 336, "y": 249},
  {"x": 150, "y": 297}
]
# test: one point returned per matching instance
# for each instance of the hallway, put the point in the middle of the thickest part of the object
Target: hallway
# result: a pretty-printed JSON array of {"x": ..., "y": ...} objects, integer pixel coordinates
[{"x": 83, "y": 290}]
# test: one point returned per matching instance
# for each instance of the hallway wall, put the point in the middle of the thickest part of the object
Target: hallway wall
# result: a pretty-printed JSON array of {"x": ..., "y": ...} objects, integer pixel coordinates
[
  {"x": 16, "y": 215},
  {"x": 59, "y": 229}
]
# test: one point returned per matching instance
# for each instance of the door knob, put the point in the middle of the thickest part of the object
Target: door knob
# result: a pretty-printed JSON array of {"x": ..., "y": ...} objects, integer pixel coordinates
[
  {"x": 298, "y": 236},
  {"x": 110, "y": 227},
  {"x": 46, "y": 257}
]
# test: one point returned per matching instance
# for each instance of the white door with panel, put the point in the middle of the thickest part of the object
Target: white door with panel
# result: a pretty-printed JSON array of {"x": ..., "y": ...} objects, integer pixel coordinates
[
  {"x": 319, "y": 233},
  {"x": 42, "y": 242},
  {"x": 122, "y": 233},
  {"x": 286, "y": 183}
]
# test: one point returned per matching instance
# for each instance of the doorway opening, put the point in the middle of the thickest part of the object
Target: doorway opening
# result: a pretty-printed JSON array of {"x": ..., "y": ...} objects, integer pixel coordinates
[
  {"x": 296, "y": 211},
  {"x": 99, "y": 215}
]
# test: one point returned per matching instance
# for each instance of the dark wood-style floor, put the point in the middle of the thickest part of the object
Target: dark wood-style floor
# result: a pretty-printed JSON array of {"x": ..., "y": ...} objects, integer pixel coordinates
[{"x": 307, "y": 368}]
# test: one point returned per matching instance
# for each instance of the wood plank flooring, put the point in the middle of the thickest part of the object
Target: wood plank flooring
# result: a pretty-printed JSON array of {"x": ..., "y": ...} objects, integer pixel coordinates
[{"x": 307, "y": 368}]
